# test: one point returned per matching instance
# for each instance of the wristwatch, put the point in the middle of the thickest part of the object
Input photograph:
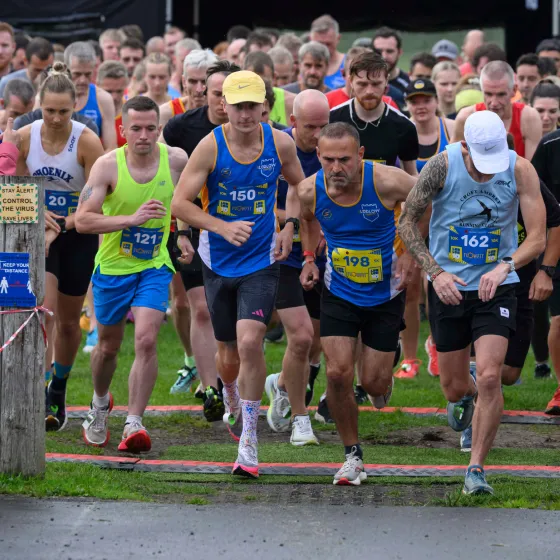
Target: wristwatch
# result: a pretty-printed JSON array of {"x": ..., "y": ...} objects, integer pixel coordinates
[
  {"x": 185, "y": 232},
  {"x": 62, "y": 223},
  {"x": 294, "y": 221},
  {"x": 548, "y": 270},
  {"x": 509, "y": 262}
]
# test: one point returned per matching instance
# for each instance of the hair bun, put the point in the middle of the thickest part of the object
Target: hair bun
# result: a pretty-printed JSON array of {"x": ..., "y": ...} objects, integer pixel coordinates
[{"x": 58, "y": 68}]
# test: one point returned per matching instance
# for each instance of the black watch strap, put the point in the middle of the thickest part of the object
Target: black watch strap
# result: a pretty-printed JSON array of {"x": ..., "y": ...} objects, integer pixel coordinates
[
  {"x": 185, "y": 232},
  {"x": 62, "y": 223},
  {"x": 294, "y": 221},
  {"x": 549, "y": 270}
]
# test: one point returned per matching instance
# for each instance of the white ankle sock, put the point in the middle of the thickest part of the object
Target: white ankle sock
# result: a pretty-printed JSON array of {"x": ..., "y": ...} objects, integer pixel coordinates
[{"x": 101, "y": 402}]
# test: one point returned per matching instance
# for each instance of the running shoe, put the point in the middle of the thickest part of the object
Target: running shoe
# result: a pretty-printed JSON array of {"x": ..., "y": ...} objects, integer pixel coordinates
[
  {"x": 460, "y": 414},
  {"x": 302, "y": 432},
  {"x": 84, "y": 321},
  {"x": 313, "y": 373},
  {"x": 91, "y": 341},
  {"x": 466, "y": 440},
  {"x": 383, "y": 400},
  {"x": 187, "y": 376},
  {"x": 352, "y": 473},
  {"x": 234, "y": 422},
  {"x": 275, "y": 334},
  {"x": 433, "y": 365},
  {"x": 199, "y": 393},
  {"x": 322, "y": 414},
  {"x": 409, "y": 369},
  {"x": 213, "y": 405},
  {"x": 360, "y": 395},
  {"x": 542, "y": 371},
  {"x": 55, "y": 417},
  {"x": 95, "y": 430},
  {"x": 553, "y": 406},
  {"x": 247, "y": 463},
  {"x": 475, "y": 482},
  {"x": 135, "y": 438},
  {"x": 279, "y": 405}
]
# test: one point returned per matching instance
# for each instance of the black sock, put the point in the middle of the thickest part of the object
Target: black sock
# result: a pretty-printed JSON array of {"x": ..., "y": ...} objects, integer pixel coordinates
[
  {"x": 356, "y": 448},
  {"x": 313, "y": 373},
  {"x": 58, "y": 384}
]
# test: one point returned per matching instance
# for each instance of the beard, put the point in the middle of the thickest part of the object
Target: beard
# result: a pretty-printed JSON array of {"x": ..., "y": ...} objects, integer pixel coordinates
[{"x": 370, "y": 103}]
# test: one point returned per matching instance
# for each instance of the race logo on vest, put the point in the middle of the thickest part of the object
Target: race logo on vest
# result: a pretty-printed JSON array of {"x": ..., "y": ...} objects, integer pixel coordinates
[
  {"x": 370, "y": 212},
  {"x": 52, "y": 173},
  {"x": 267, "y": 166},
  {"x": 479, "y": 208}
]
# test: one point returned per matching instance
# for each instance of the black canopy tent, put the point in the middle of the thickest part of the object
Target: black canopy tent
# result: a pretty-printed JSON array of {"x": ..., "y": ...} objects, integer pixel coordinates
[{"x": 65, "y": 21}]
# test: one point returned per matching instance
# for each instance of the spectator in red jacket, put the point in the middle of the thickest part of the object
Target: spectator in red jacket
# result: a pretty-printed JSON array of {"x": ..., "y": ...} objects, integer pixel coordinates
[{"x": 9, "y": 149}]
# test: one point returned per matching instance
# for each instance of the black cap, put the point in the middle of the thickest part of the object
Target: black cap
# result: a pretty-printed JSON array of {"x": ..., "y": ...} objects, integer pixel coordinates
[{"x": 420, "y": 87}]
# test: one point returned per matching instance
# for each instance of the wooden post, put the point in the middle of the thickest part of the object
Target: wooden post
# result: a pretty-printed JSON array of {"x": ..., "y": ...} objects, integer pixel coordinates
[{"x": 22, "y": 387}]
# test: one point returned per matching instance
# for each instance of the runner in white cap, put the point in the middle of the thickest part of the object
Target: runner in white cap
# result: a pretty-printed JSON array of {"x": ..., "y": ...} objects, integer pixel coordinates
[{"x": 475, "y": 188}]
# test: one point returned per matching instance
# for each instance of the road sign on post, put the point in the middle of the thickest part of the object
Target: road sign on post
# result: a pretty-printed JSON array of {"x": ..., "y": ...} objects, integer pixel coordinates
[{"x": 22, "y": 283}]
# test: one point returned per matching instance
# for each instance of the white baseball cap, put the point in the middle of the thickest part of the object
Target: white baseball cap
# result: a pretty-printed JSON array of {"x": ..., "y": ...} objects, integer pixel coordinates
[{"x": 486, "y": 138}]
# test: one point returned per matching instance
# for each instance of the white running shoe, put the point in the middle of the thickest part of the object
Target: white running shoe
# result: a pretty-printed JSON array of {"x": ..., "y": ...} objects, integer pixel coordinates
[
  {"x": 247, "y": 463},
  {"x": 135, "y": 438},
  {"x": 279, "y": 404},
  {"x": 95, "y": 428},
  {"x": 383, "y": 400},
  {"x": 352, "y": 473},
  {"x": 302, "y": 432}
]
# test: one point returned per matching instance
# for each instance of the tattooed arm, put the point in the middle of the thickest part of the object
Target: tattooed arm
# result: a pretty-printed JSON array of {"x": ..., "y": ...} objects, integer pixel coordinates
[{"x": 430, "y": 182}]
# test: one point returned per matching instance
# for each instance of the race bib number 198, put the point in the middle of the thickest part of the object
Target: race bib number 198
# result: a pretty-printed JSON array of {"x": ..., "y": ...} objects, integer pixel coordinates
[{"x": 362, "y": 267}]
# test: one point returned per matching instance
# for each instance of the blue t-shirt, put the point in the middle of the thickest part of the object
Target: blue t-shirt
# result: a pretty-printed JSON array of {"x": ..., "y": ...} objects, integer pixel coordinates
[{"x": 310, "y": 165}]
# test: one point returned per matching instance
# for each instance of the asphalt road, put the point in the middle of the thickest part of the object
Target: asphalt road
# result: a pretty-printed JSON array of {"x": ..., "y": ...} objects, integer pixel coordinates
[{"x": 72, "y": 529}]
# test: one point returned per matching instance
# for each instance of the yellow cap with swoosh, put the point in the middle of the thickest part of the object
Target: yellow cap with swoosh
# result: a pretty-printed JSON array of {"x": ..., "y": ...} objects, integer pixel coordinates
[{"x": 244, "y": 87}]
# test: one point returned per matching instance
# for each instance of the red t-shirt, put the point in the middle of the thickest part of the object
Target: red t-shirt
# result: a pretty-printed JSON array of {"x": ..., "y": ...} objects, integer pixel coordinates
[
  {"x": 514, "y": 127},
  {"x": 121, "y": 140},
  {"x": 339, "y": 96}
]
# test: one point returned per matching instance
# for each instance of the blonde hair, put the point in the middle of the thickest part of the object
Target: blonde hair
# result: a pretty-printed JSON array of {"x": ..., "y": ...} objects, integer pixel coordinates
[
  {"x": 159, "y": 58},
  {"x": 442, "y": 67},
  {"x": 57, "y": 81}
]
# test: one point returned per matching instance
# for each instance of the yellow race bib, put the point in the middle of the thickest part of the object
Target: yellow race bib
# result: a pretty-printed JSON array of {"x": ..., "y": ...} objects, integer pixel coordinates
[{"x": 362, "y": 267}]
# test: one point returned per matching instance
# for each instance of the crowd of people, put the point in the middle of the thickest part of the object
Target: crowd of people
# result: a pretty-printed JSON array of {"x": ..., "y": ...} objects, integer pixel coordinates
[{"x": 275, "y": 185}]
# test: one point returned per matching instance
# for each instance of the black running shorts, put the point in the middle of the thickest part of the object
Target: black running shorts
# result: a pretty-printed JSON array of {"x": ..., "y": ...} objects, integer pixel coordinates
[
  {"x": 191, "y": 273},
  {"x": 454, "y": 327},
  {"x": 379, "y": 325},
  {"x": 71, "y": 259},
  {"x": 233, "y": 299},
  {"x": 520, "y": 341}
]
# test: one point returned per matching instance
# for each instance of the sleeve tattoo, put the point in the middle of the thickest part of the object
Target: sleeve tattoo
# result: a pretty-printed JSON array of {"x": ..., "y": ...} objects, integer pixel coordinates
[
  {"x": 431, "y": 180},
  {"x": 86, "y": 193}
]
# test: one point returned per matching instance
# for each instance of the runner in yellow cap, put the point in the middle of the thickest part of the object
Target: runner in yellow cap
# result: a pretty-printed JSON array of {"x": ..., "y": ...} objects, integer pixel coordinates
[{"x": 237, "y": 167}]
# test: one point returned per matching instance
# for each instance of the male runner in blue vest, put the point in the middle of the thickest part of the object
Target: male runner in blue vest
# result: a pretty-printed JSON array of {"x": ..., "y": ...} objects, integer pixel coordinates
[
  {"x": 355, "y": 203},
  {"x": 237, "y": 167}
]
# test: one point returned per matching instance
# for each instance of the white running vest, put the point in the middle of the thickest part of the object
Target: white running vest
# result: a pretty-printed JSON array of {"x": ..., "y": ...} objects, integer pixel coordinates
[{"x": 63, "y": 171}]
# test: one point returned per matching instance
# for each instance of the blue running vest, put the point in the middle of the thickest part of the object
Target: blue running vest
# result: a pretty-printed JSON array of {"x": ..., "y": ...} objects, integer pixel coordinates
[
  {"x": 362, "y": 243},
  {"x": 236, "y": 191},
  {"x": 442, "y": 144},
  {"x": 474, "y": 225},
  {"x": 91, "y": 109}
]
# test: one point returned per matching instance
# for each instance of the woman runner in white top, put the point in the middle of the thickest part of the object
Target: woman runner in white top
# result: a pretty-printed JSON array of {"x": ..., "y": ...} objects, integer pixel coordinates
[{"x": 62, "y": 151}]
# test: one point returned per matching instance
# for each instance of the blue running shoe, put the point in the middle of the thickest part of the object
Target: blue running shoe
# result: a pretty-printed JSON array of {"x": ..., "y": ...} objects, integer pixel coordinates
[
  {"x": 187, "y": 376},
  {"x": 475, "y": 482},
  {"x": 460, "y": 414},
  {"x": 91, "y": 341},
  {"x": 466, "y": 440}
]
